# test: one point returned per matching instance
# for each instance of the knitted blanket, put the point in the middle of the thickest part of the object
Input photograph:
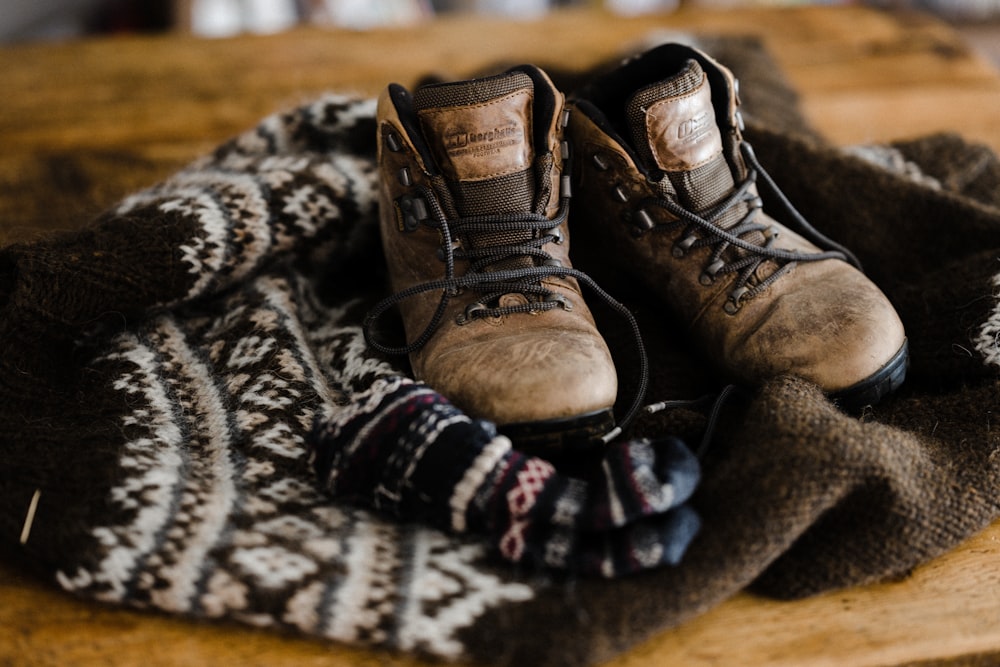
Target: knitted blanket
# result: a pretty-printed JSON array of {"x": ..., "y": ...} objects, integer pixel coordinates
[{"x": 172, "y": 376}]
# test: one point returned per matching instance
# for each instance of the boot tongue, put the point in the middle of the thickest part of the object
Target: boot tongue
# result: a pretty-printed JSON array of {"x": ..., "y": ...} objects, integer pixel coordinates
[
  {"x": 674, "y": 129},
  {"x": 480, "y": 133}
]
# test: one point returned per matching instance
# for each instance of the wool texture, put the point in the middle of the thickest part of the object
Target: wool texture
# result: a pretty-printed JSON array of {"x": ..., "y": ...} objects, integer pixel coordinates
[
  {"x": 186, "y": 391},
  {"x": 408, "y": 453}
]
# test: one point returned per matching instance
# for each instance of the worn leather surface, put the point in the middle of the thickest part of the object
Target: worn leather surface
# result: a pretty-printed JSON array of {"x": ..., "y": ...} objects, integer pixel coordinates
[
  {"x": 823, "y": 321},
  {"x": 511, "y": 369}
]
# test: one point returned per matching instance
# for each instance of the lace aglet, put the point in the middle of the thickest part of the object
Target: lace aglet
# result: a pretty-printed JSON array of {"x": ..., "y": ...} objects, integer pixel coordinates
[
  {"x": 653, "y": 408},
  {"x": 611, "y": 435}
]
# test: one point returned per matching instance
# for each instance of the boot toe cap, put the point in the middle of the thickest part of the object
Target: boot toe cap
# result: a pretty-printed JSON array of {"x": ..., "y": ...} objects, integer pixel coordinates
[
  {"x": 527, "y": 377},
  {"x": 836, "y": 329}
]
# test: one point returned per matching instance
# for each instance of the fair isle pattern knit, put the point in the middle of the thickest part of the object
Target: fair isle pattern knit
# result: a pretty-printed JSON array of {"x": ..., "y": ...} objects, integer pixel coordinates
[
  {"x": 223, "y": 517},
  {"x": 404, "y": 450},
  {"x": 217, "y": 514}
]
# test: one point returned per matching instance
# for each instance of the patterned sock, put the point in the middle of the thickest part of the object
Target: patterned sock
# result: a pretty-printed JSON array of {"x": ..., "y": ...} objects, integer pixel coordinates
[{"x": 405, "y": 451}]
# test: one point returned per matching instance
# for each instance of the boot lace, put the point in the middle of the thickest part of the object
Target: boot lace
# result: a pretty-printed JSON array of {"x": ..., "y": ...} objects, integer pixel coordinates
[
  {"x": 484, "y": 277},
  {"x": 757, "y": 250}
]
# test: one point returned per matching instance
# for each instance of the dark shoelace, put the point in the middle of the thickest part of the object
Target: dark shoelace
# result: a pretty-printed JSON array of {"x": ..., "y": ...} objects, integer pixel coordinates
[
  {"x": 717, "y": 401},
  {"x": 495, "y": 283},
  {"x": 755, "y": 253}
]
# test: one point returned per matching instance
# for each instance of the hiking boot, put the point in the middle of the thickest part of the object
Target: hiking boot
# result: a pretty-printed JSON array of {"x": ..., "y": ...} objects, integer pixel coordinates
[
  {"x": 473, "y": 221},
  {"x": 666, "y": 188}
]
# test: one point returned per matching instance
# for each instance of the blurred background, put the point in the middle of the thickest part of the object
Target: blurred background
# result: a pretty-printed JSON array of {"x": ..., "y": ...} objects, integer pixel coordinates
[{"x": 31, "y": 20}]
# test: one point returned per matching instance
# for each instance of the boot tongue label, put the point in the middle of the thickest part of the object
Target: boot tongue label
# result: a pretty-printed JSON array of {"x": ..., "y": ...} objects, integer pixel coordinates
[
  {"x": 481, "y": 141},
  {"x": 682, "y": 131}
]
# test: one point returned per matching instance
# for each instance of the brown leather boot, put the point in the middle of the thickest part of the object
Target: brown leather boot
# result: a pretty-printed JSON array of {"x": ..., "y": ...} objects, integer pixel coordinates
[
  {"x": 667, "y": 189},
  {"x": 473, "y": 222}
]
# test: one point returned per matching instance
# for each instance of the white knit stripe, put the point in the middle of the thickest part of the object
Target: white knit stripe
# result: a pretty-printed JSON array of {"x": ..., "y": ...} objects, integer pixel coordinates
[
  {"x": 431, "y": 620},
  {"x": 210, "y": 481},
  {"x": 474, "y": 477},
  {"x": 205, "y": 255},
  {"x": 371, "y": 557},
  {"x": 257, "y": 239},
  {"x": 987, "y": 342},
  {"x": 154, "y": 468}
]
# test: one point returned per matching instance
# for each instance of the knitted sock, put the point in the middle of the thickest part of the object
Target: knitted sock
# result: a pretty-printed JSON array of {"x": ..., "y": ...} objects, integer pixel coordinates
[{"x": 404, "y": 450}]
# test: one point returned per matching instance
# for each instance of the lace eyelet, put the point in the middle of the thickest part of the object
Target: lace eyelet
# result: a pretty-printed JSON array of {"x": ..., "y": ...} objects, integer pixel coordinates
[
  {"x": 600, "y": 162},
  {"x": 471, "y": 312},
  {"x": 642, "y": 221},
  {"x": 563, "y": 302},
  {"x": 392, "y": 142},
  {"x": 404, "y": 177},
  {"x": 733, "y": 304},
  {"x": 711, "y": 271},
  {"x": 681, "y": 247}
]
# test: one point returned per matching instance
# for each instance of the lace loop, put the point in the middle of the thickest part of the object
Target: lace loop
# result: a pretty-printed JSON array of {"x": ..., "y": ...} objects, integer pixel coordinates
[
  {"x": 721, "y": 239},
  {"x": 494, "y": 283}
]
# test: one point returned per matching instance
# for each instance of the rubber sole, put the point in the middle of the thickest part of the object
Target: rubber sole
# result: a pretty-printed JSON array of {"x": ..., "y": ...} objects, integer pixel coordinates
[
  {"x": 565, "y": 442},
  {"x": 873, "y": 389}
]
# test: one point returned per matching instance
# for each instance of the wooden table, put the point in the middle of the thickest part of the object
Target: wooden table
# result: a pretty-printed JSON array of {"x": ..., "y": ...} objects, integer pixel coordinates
[{"x": 71, "y": 112}]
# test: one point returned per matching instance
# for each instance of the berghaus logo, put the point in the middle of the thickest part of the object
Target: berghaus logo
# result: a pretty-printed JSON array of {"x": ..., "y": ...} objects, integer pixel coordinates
[
  {"x": 693, "y": 126},
  {"x": 458, "y": 138}
]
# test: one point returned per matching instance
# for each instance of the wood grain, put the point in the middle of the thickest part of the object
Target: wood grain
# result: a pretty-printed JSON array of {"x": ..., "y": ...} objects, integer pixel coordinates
[{"x": 135, "y": 109}]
